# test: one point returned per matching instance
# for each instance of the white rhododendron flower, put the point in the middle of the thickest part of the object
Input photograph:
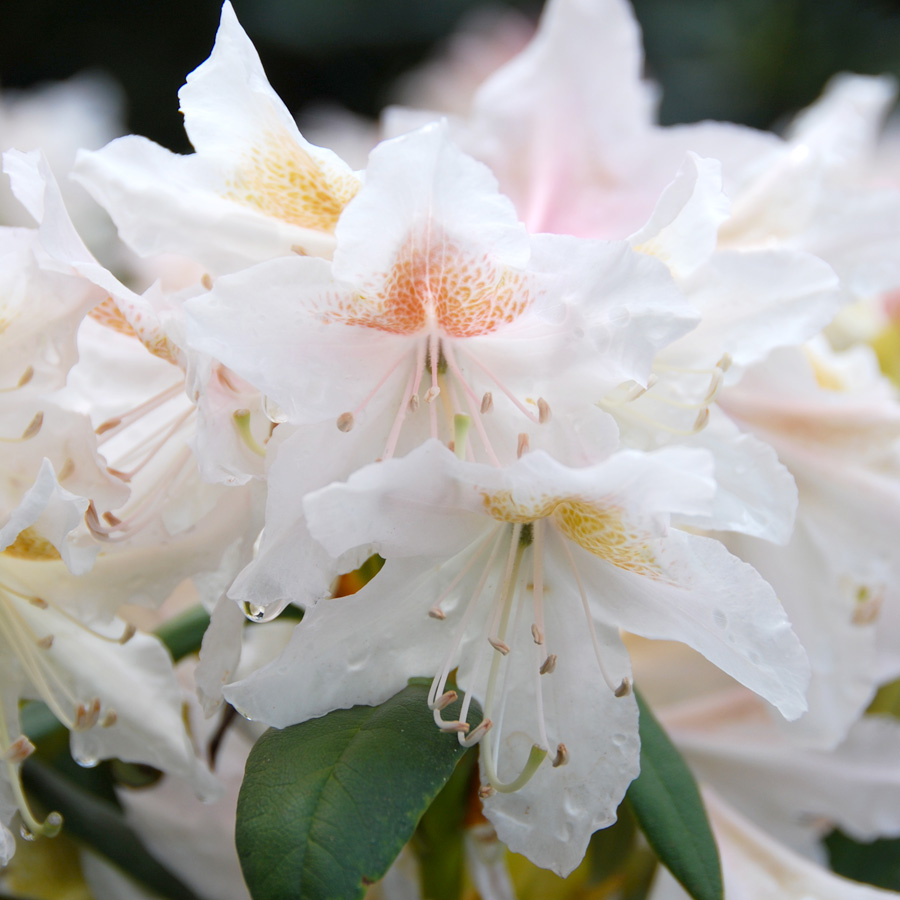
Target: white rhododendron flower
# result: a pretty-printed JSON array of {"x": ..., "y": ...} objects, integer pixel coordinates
[
  {"x": 521, "y": 577},
  {"x": 254, "y": 189}
]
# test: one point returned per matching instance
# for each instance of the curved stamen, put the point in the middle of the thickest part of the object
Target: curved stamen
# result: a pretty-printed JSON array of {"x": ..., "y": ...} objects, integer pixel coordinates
[
  {"x": 24, "y": 378},
  {"x": 624, "y": 686},
  {"x": 473, "y": 404}
]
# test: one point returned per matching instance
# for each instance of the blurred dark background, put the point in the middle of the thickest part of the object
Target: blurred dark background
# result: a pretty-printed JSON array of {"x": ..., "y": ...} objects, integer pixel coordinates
[{"x": 752, "y": 61}]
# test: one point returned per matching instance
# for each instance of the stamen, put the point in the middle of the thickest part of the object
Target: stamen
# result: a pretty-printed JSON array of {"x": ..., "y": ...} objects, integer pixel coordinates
[
  {"x": 86, "y": 716},
  {"x": 24, "y": 378},
  {"x": 241, "y": 419},
  {"x": 45, "y": 643},
  {"x": 109, "y": 719},
  {"x": 624, "y": 688},
  {"x": 517, "y": 403},
  {"x": 485, "y": 791},
  {"x": 111, "y": 519},
  {"x": 453, "y": 727},
  {"x": 562, "y": 756},
  {"x": 440, "y": 679},
  {"x": 537, "y": 635},
  {"x": 498, "y": 645},
  {"x": 206, "y": 281},
  {"x": 477, "y": 734},
  {"x": 445, "y": 700},
  {"x": 549, "y": 665},
  {"x": 414, "y": 403},
  {"x": 615, "y": 688},
  {"x": 34, "y": 426},
  {"x": 68, "y": 467},
  {"x": 20, "y": 749},
  {"x": 522, "y": 446},
  {"x": 296, "y": 248},
  {"x": 543, "y": 411},
  {"x": 701, "y": 420},
  {"x": 118, "y": 422},
  {"x": 437, "y": 613},
  {"x": 487, "y": 402}
]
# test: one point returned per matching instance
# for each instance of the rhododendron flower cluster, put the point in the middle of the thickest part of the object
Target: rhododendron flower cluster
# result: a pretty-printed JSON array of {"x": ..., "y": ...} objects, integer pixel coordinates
[{"x": 544, "y": 405}]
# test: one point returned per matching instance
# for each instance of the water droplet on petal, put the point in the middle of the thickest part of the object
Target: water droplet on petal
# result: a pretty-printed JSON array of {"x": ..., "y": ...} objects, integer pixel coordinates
[
  {"x": 274, "y": 413},
  {"x": 86, "y": 760},
  {"x": 260, "y": 613}
]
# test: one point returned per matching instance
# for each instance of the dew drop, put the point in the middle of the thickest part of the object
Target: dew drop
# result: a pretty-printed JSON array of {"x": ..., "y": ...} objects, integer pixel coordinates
[
  {"x": 86, "y": 760},
  {"x": 260, "y": 613},
  {"x": 274, "y": 413}
]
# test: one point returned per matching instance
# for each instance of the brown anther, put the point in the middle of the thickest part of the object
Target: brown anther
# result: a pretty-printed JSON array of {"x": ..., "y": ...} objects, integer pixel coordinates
[
  {"x": 116, "y": 473},
  {"x": 445, "y": 700},
  {"x": 725, "y": 362},
  {"x": 68, "y": 467},
  {"x": 537, "y": 634},
  {"x": 624, "y": 688},
  {"x": 451, "y": 446},
  {"x": 108, "y": 425},
  {"x": 222, "y": 375},
  {"x": 522, "y": 446},
  {"x": 19, "y": 750},
  {"x": 437, "y": 613},
  {"x": 45, "y": 643},
  {"x": 562, "y": 756},
  {"x": 432, "y": 393},
  {"x": 206, "y": 281},
  {"x": 498, "y": 645},
  {"x": 345, "y": 421},
  {"x": 487, "y": 402},
  {"x": 543, "y": 411},
  {"x": 549, "y": 664},
  {"x": 111, "y": 519},
  {"x": 38, "y": 602},
  {"x": 455, "y": 727},
  {"x": 702, "y": 419},
  {"x": 413, "y": 403},
  {"x": 128, "y": 633},
  {"x": 109, "y": 719},
  {"x": 86, "y": 716},
  {"x": 34, "y": 426},
  {"x": 480, "y": 730},
  {"x": 27, "y": 375},
  {"x": 486, "y": 791}
]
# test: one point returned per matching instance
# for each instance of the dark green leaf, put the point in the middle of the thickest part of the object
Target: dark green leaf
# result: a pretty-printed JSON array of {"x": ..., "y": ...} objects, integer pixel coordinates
[
  {"x": 182, "y": 634},
  {"x": 102, "y": 827},
  {"x": 438, "y": 841},
  {"x": 875, "y": 863},
  {"x": 327, "y": 805},
  {"x": 667, "y": 805}
]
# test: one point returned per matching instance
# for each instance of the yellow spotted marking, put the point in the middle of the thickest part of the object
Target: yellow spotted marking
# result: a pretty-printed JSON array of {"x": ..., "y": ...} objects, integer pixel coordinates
[
  {"x": 601, "y": 530},
  {"x": 282, "y": 180},
  {"x": 110, "y": 316},
  {"x": 30, "y": 545}
]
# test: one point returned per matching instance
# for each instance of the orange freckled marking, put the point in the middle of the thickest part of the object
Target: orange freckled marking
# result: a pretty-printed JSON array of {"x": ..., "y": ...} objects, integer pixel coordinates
[
  {"x": 280, "y": 179},
  {"x": 601, "y": 530},
  {"x": 436, "y": 281},
  {"x": 110, "y": 316}
]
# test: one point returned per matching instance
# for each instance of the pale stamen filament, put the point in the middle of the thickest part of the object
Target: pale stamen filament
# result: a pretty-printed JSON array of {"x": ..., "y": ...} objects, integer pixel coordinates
[
  {"x": 536, "y": 418},
  {"x": 111, "y": 427},
  {"x": 434, "y": 349},
  {"x": 167, "y": 434},
  {"x": 623, "y": 687},
  {"x": 474, "y": 404},
  {"x": 49, "y": 685},
  {"x": 440, "y": 680},
  {"x": 368, "y": 398},
  {"x": 399, "y": 418},
  {"x": 488, "y": 749},
  {"x": 14, "y": 754},
  {"x": 144, "y": 508},
  {"x": 537, "y": 551}
]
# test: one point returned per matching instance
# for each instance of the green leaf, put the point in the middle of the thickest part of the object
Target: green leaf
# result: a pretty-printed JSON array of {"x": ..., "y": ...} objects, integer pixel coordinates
[
  {"x": 183, "y": 633},
  {"x": 666, "y": 802},
  {"x": 876, "y": 862},
  {"x": 438, "y": 841},
  {"x": 327, "y": 805}
]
